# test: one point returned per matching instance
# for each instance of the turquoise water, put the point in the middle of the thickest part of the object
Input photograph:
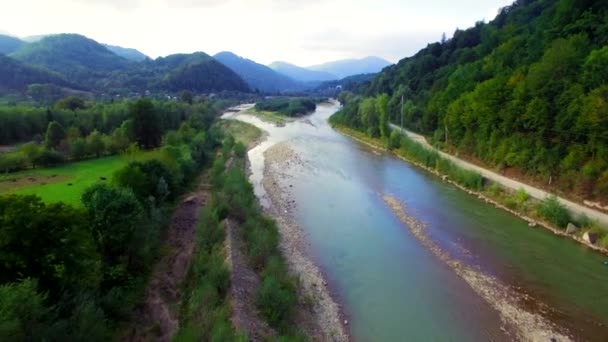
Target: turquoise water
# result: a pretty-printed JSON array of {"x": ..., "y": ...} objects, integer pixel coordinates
[{"x": 392, "y": 288}]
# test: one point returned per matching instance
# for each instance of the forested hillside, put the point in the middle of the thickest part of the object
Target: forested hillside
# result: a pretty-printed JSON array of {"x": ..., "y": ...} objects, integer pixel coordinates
[
  {"x": 15, "y": 76},
  {"x": 525, "y": 93},
  {"x": 349, "y": 67},
  {"x": 130, "y": 54},
  {"x": 89, "y": 65},
  {"x": 9, "y": 44}
]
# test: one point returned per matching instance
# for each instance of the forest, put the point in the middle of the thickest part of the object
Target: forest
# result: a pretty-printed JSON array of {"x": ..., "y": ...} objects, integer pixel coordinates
[
  {"x": 525, "y": 93},
  {"x": 77, "y": 272}
]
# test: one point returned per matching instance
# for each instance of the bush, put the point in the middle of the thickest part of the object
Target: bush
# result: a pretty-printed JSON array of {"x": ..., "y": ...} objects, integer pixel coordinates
[
  {"x": 394, "y": 140},
  {"x": 11, "y": 162},
  {"x": 276, "y": 300},
  {"x": 553, "y": 211},
  {"x": 49, "y": 158},
  {"x": 240, "y": 150}
]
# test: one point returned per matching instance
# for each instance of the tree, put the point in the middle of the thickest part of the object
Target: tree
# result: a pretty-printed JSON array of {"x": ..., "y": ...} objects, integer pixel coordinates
[
  {"x": 71, "y": 103},
  {"x": 22, "y": 312},
  {"x": 95, "y": 144},
  {"x": 186, "y": 96},
  {"x": 382, "y": 108},
  {"x": 55, "y": 133},
  {"x": 115, "y": 215},
  {"x": 146, "y": 125},
  {"x": 78, "y": 149},
  {"x": 49, "y": 242},
  {"x": 31, "y": 151}
]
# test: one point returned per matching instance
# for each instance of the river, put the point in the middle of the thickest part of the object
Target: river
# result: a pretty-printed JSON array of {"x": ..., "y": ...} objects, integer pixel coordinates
[{"x": 391, "y": 286}]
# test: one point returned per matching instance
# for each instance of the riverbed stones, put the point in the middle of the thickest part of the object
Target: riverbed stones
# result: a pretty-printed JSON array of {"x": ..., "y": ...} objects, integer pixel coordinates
[
  {"x": 571, "y": 228},
  {"x": 590, "y": 237}
]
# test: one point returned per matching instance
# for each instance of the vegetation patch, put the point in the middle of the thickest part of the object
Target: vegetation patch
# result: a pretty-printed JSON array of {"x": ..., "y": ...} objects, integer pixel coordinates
[
  {"x": 242, "y": 132},
  {"x": 66, "y": 183}
]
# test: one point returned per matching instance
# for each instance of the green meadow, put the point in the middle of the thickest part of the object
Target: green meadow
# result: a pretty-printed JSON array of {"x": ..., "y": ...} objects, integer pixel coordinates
[{"x": 67, "y": 182}]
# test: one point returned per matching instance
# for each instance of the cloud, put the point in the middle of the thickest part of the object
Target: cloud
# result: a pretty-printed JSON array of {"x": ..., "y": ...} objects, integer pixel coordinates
[{"x": 392, "y": 46}]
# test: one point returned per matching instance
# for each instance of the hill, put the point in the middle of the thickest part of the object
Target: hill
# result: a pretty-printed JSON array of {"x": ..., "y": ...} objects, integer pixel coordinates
[
  {"x": 354, "y": 83},
  {"x": 127, "y": 53},
  {"x": 16, "y": 76},
  {"x": 9, "y": 44},
  {"x": 301, "y": 74},
  {"x": 526, "y": 94},
  {"x": 78, "y": 58},
  {"x": 349, "y": 67},
  {"x": 90, "y": 65},
  {"x": 256, "y": 75}
]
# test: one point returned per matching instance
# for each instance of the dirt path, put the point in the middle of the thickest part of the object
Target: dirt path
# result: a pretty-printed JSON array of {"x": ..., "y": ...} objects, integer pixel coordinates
[
  {"x": 244, "y": 282},
  {"x": 508, "y": 182},
  {"x": 157, "y": 319}
]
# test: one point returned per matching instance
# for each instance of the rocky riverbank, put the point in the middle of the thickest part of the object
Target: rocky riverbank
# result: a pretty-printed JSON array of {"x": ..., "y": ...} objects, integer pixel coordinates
[
  {"x": 527, "y": 326},
  {"x": 313, "y": 286}
]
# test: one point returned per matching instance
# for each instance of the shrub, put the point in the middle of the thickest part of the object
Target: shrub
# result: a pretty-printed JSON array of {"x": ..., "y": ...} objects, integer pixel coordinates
[
  {"x": 553, "y": 211},
  {"x": 240, "y": 150},
  {"x": 49, "y": 158},
  {"x": 395, "y": 139},
  {"x": 10, "y": 162},
  {"x": 276, "y": 300},
  {"x": 522, "y": 196}
]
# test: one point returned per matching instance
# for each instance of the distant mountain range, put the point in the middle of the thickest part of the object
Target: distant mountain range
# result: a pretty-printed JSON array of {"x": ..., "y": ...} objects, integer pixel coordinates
[
  {"x": 349, "y": 67},
  {"x": 257, "y": 76},
  {"x": 332, "y": 70},
  {"x": 78, "y": 62},
  {"x": 301, "y": 74}
]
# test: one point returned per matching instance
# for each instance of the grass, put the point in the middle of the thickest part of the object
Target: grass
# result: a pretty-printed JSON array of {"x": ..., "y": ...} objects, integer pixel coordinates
[
  {"x": 242, "y": 132},
  {"x": 67, "y": 182},
  {"x": 272, "y": 117}
]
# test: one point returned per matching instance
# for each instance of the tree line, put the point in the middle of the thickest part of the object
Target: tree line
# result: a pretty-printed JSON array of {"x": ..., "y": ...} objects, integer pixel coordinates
[
  {"x": 525, "y": 92},
  {"x": 74, "y": 130}
]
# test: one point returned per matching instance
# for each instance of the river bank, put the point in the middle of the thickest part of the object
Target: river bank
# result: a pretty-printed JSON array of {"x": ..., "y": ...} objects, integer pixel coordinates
[
  {"x": 528, "y": 326},
  {"x": 293, "y": 244},
  {"x": 315, "y": 300},
  {"x": 532, "y": 221}
]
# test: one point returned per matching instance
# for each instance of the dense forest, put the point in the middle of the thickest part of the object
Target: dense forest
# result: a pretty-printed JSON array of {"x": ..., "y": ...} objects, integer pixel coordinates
[
  {"x": 524, "y": 93},
  {"x": 75, "y": 273}
]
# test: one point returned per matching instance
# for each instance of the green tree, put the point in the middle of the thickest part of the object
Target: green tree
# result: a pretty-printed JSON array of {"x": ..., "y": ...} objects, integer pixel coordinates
[
  {"x": 382, "y": 108},
  {"x": 95, "y": 144},
  {"x": 78, "y": 149},
  {"x": 22, "y": 312},
  {"x": 55, "y": 133},
  {"x": 146, "y": 124},
  {"x": 49, "y": 242}
]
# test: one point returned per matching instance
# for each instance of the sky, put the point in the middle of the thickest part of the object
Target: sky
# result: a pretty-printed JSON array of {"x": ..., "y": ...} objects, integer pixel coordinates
[{"x": 303, "y": 32}]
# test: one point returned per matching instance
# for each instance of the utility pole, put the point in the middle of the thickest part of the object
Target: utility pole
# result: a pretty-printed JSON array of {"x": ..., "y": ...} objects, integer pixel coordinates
[{"x": 401, "y": 113}]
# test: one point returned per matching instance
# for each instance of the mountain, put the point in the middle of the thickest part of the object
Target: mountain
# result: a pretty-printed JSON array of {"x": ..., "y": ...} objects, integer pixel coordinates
[
  {"x": 258, "y": 76},
  {"x": 200, "y": 74},
  {"x": 526, "y": 93},
  {"x": 16, "y": 76},
  {"x": 90, "y": 65},
  {"x": 301, "y": 74},
  {"x": 78, "y": 58},
  {"x": 9, "y": 44},
  {"x": 348, "y": 67},
  {"x": 130, "y": 54}
]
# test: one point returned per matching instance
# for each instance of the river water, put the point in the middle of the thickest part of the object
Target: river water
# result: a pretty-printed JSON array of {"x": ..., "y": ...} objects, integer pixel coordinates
[{"x": 391, "y": 287}]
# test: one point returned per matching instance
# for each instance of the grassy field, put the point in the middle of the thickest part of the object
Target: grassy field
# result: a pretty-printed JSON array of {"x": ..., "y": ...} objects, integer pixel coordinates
[
  {"x": 242, "y": 132},
  {"x": 272, "y": 117},
  {"x": 67, "y": 182}
]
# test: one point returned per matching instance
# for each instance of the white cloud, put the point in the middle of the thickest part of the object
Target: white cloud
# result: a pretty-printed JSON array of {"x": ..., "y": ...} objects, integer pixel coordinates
[{"x": 299, "y": 31}]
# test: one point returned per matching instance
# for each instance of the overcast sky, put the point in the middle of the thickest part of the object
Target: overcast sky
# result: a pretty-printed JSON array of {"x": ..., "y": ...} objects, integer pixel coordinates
[{"x": 303, "y": 32}]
